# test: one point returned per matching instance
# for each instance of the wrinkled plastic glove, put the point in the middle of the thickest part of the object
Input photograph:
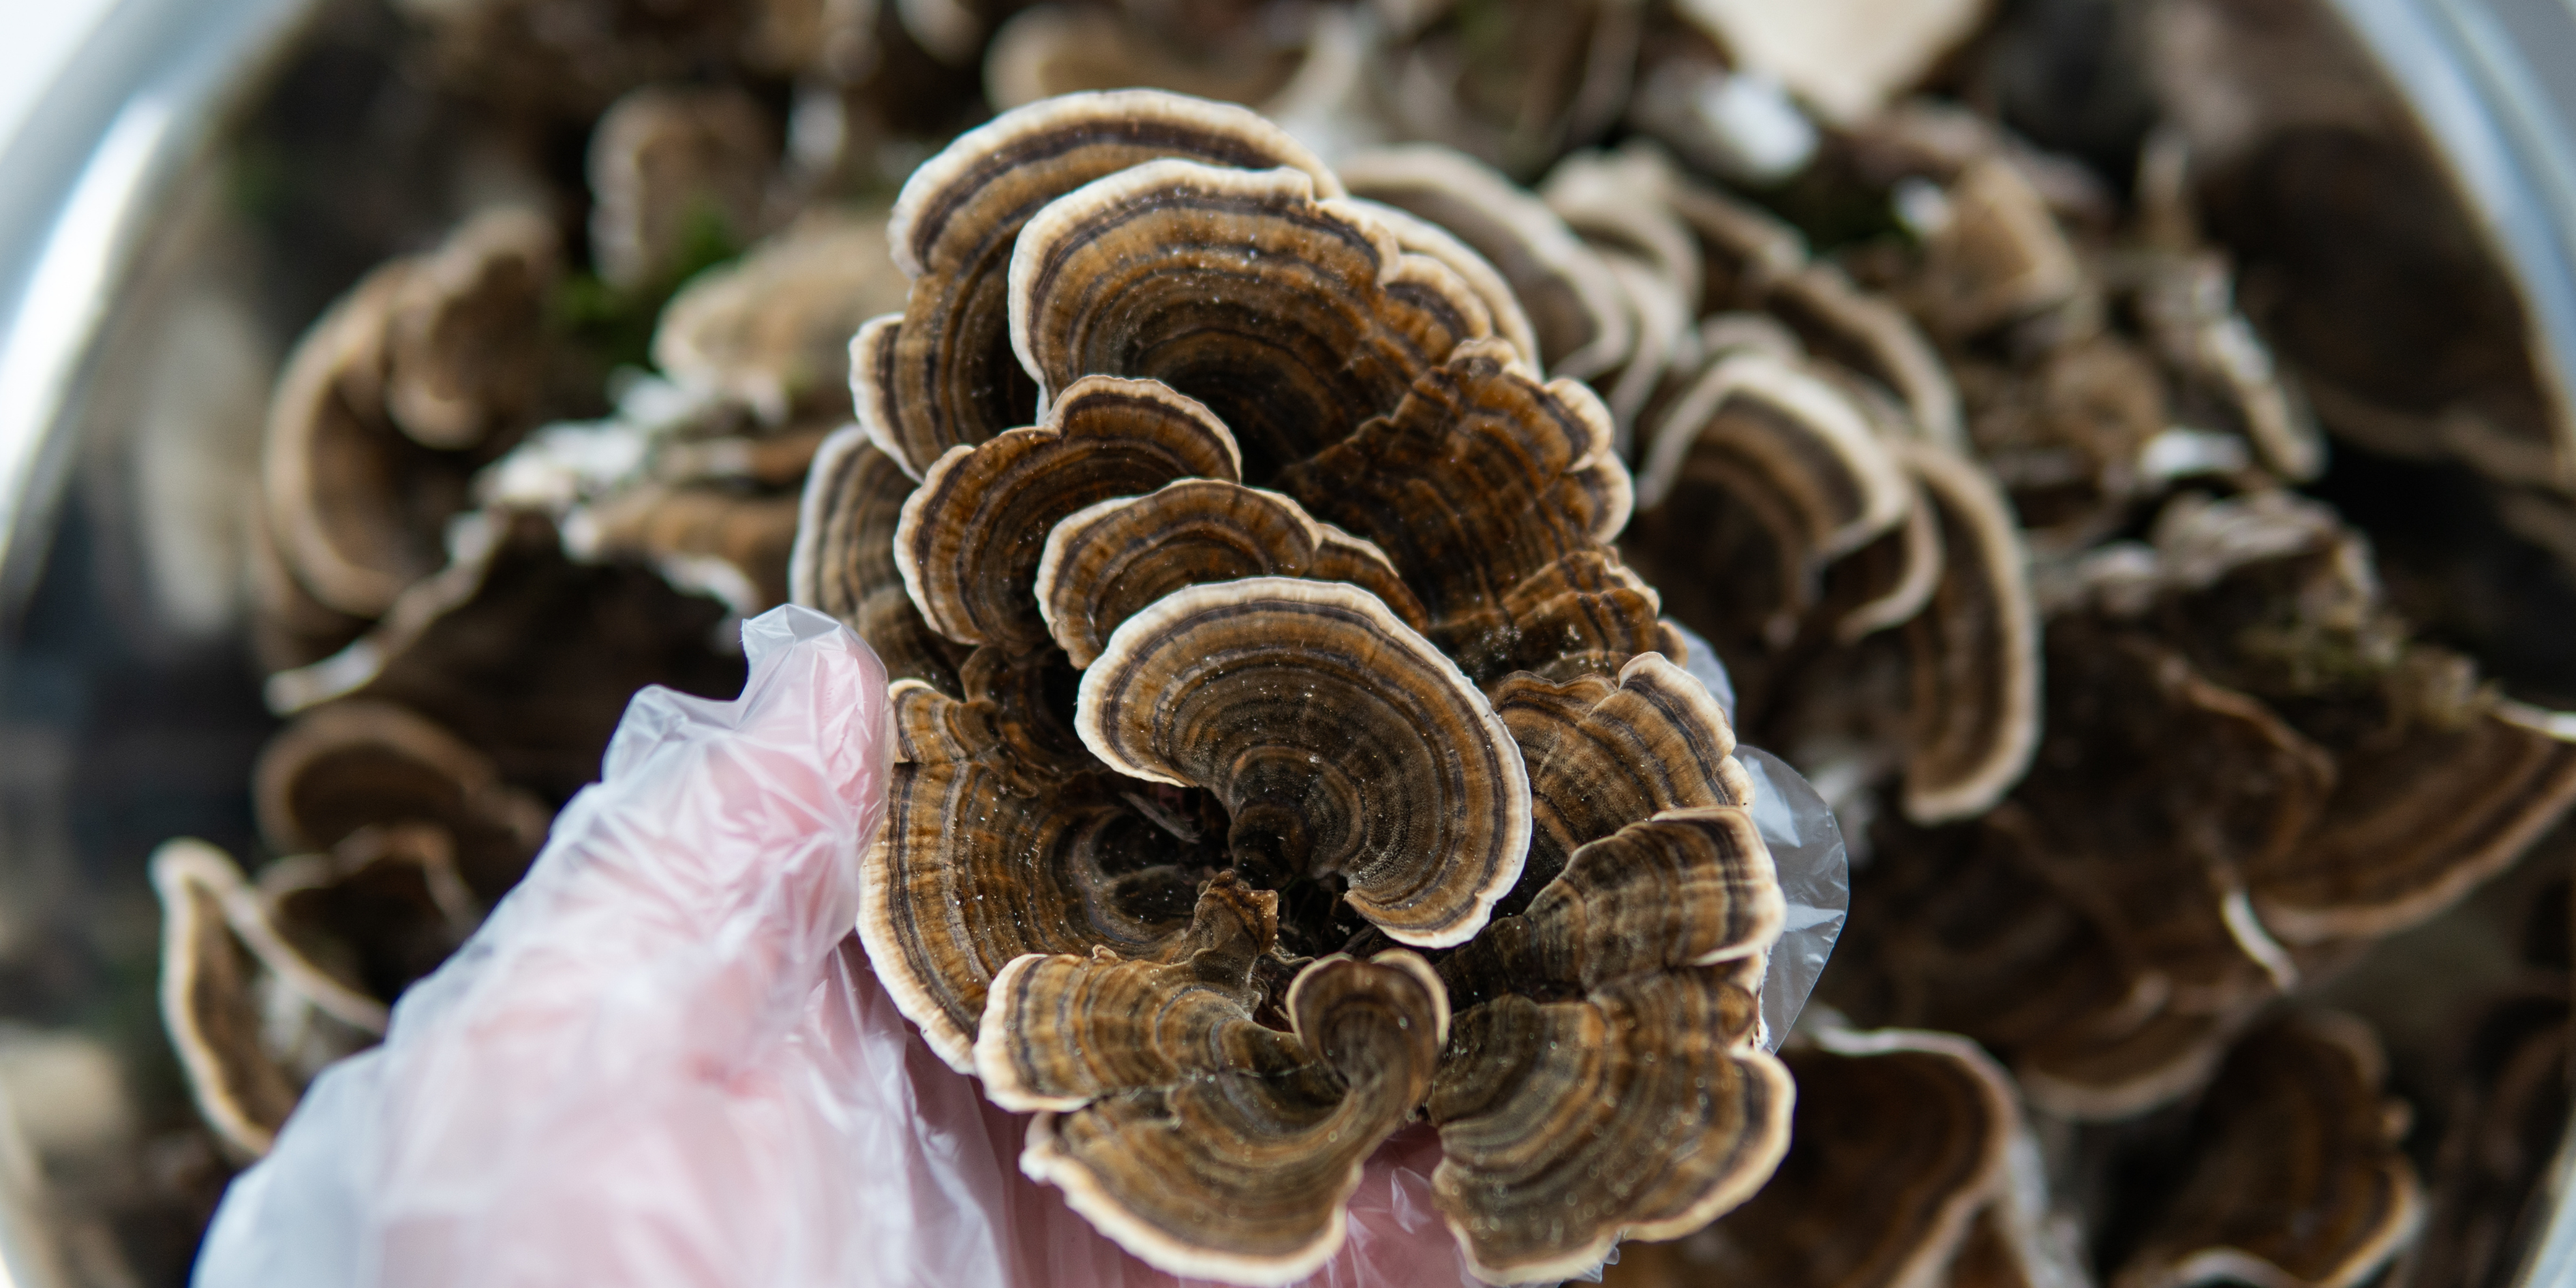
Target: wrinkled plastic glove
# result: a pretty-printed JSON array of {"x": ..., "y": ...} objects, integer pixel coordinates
[{"x": 664, "y": 1059}]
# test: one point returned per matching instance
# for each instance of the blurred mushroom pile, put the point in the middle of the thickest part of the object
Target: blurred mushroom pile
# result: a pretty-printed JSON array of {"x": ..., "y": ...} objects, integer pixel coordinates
[{"x": 1288, "y": 522}]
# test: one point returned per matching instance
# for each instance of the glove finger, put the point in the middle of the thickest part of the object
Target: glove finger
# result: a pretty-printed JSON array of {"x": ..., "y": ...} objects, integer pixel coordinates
[{"x": 706, "y": 878}]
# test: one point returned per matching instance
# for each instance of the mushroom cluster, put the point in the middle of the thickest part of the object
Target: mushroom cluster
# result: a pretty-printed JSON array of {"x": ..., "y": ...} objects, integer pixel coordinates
[
  {"x": 400, "y": 837},
  {"x": 1283, "y": 535},
  {"x": 1284, "y": 748}
]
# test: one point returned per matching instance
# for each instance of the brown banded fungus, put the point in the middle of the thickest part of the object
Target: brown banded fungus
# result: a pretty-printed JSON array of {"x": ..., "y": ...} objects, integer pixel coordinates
[
  {"x": 971, "y": 538},
  {"x": 1575, "y": 312},
  {"x": 397, "y": 836},
  {"x": 1287, "y": 633},
  {"x": 1203, "y": 1140},
  {"x": 2297, "y": 1178},
  {"x": 2343, "y": 782},
  {"x": 1338, "y": 740},
  {"x": 698, "y": 472},
  {"x": 1293, "y": 318},
  {"x": 1900, "y": 1168},
  {"x": 1806, "y": 519},
  {"x": 347, "y": 766},
  {"x": 427, "y": 369},
  {"x": 252, "y": 1017},
  {"x": 843, "y": 562},
  {"x": 523, "y": 652},
  {"x": 942, "y": 373},
  {"x": 1106, "y": 562}
]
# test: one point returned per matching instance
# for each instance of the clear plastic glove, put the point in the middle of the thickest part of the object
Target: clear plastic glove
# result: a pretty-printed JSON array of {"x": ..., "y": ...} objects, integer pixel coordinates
[{"x": 665, "y": 1060}]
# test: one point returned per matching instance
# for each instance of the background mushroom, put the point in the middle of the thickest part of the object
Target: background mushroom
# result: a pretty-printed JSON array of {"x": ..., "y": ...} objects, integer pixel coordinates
[
  {"x": 426, "y": 370},
  {"x": 1944, "y": 1197},
  {"x": 2296, "y": 1178}
]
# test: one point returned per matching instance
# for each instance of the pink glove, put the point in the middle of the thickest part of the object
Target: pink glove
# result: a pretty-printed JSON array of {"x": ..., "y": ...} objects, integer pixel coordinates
[{"x": 665, "y": 1060}]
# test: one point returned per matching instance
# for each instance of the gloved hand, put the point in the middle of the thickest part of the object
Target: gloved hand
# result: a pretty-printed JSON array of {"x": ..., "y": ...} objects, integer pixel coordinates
[{"x": 664, "y": 1058}]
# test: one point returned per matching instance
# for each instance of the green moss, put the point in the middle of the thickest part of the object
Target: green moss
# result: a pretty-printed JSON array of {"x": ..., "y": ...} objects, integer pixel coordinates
[{"x": 616, "y": 326}]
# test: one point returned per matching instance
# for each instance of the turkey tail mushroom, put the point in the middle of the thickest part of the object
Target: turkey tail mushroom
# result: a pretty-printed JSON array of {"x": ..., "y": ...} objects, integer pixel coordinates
[
  {"x": 1974, "y": 649},
  {"x": 943, "y": 373},
  {"x": 1340, "y": 741},
  {"x": 844, "y": 561},
  {"x": 1198, "y": 1139},
  {"x": 1108, "y": 561},
  {"x": 972, "y": 536},
  {"x": 1576, "y": 314},
  {"x": 2296, "y": 1178},
  {"x": 218, "y": 945},
  {"x": 1864, "y": 1201},
  {"x": 1293, "y": 318}
]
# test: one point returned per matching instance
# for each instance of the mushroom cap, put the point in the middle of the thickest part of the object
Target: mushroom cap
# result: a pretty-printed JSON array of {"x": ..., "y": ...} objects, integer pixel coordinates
[
  {"x": 1744, "y": 249},
  {"x": 352, "y": 505},
  {"x": 1575, "y": 311},
  {"x": 465, "y": 357},
  {"x": 843, "y": 562},
  {"x": 290, "y": 626},
  {"x": 1898, "y": 1148},
  {"x": 2437, "y": 782},
  {"x": 1998, "y": 256},
  {"x": 1561, "y": 1122},
  {"x": 1874, "y": 338},
  {"x": 2073, "y": 436},
  {"x": 944, "y": 373},
  {"x": 1610, "y": 1021},
  {"x": 987, "y": 856},
  {"x": 972, "y": 536},
  {"x": 1606, "y": 752},
  {"x": 1788, "y": 433},
  {"x": 2417, "y": 823},
  {"x": 352, "y": 765},
  {"x": 1614, "y": 200},
  {"x": 231, "y": 986},
  {"x": 1765, "y": 473},
  {"x": 381, "y": 910},
  {"x": 1493, "y": 495},
  {"x": 1688, "y": 887},
  {"x": 665, "y": 163},
  {"x": 1969, "y": 930},
  {"x": 2490, "y": 1193},
  {"x": 426, "y": 369},
  {"x": 1889, "y": 581},
  {"x": 1106, "y": 562},
  {"x": 2160, "y": 844},
  {"x": 1975, "y": 648},
  {"x": 1294, "y": 319},
  {"x": 2095, "y": 928},
  {"x": 1210, "y": 738},
  {"x": 2297, "y": 1176},
  {"x": 1419, "y": 236},
  {"x": 1340, "y": 741},
  {"x": 1061, "y": 1031},
  {"x": 524, "y": 653},
  {"x": 1232, "y": 1171},
  {"x": 772, "y": 329},
  {"x": 1517, "y": 85}
]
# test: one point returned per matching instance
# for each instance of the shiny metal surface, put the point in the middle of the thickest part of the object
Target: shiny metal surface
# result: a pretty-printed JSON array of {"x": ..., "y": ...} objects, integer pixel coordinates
[{"x": 86, "y": 170}]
